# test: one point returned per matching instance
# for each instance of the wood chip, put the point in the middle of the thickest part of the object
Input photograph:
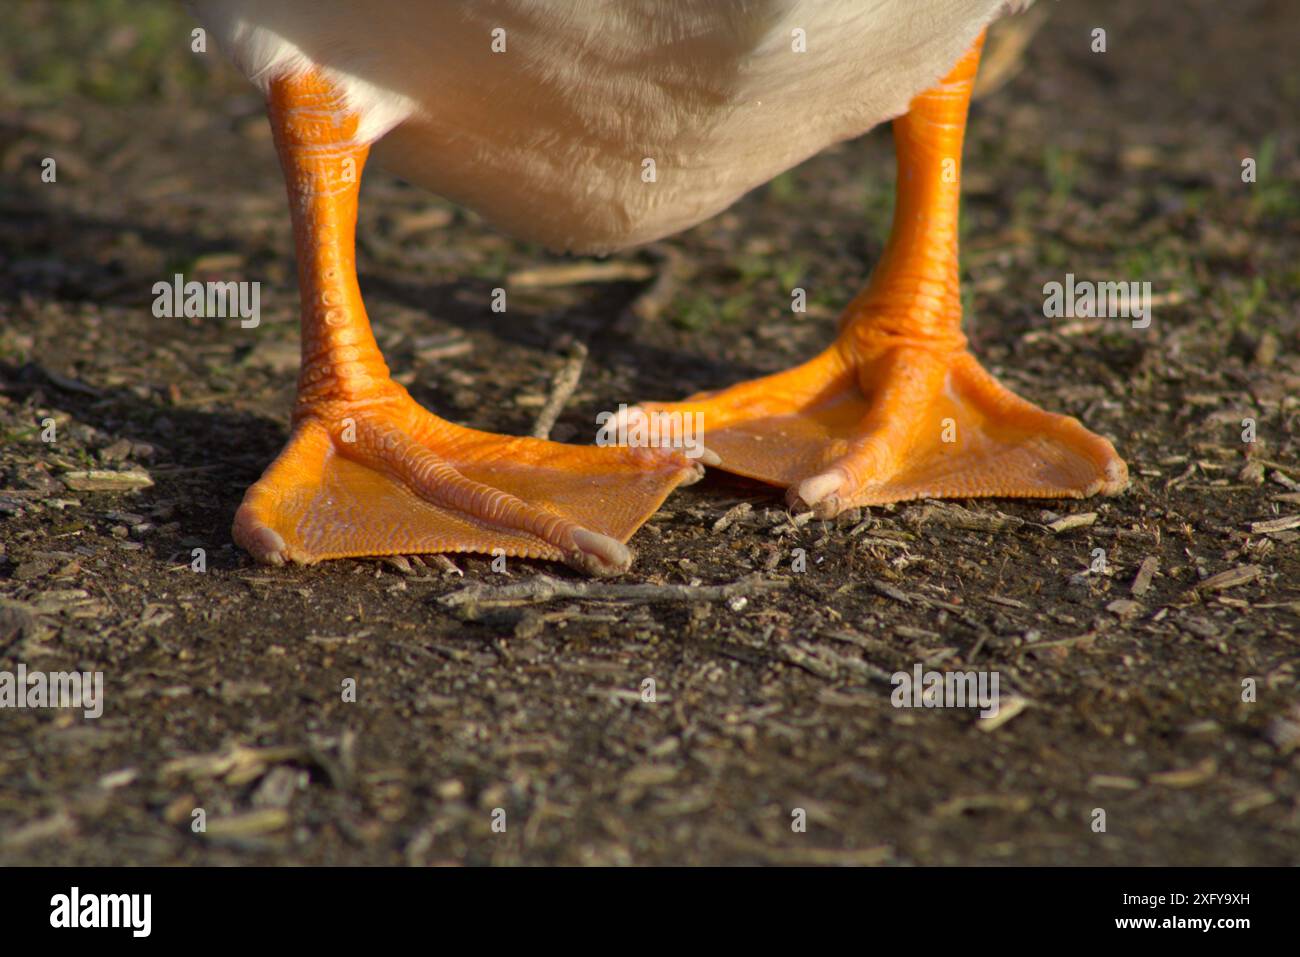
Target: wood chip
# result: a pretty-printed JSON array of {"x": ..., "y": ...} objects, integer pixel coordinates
[
  {"x": 671, "y": 271},
  {"x": 1014, "y": 803},
  {"x": 418, "y": 221},
  {"x": 118, "y": 779},
  {"x": 1231, "y": 578},
  {"x": 399, "y": 563},
  {"x": 99, "y": 480},
  {"x": 1142, "y": 580},
  {"x": 891, "y": 591},
  {"x": 1008, "y": 708},
  {"x": 1281, "y": 478},
  {"x": 571, "y": 274},
  {"x": 801, "y": 657},
  {"x": 1251, "y": 802},
  {"x": 253, "y": 823},
  {"x": 1124, "y": 608},
  {"x": 733, "y": 514},
  {"x": 445, "y": 346},
  {"x": 57, "y": 825},
  {"x": 1199, "y": 773},
  {"x": 563, "y": 386},
  {"x": 446, "y": 565},
  {"x": 1115, "y": 781},
  {"x": 1068, "y": 522},
  {"x": 235, "y": 763},
  {"x": 1275, "y": 525}
]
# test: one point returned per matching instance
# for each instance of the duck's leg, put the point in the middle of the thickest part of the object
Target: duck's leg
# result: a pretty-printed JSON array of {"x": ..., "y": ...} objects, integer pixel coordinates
[
  {"x": 898, "y": 408},
  {"x": 367, "y": 471}
]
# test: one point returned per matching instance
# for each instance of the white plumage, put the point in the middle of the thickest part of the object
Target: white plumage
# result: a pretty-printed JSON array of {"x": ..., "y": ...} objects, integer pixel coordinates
[{"x": 549, "y": 138}]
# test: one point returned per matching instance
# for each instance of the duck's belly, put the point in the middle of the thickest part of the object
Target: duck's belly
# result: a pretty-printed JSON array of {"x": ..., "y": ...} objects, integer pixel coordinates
[{"x": 597, "y": 124}]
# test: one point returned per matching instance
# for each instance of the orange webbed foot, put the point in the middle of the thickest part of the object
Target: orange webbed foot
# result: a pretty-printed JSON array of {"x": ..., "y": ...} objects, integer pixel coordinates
[
  {"x": 849, "y": 429},
  {"x": 367, "y": 471},
  {"x": 395, "y": 479},
  {"x": 898, "y": 408}
]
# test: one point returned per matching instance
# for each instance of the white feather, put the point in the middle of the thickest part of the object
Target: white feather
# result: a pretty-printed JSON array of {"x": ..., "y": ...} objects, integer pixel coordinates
[{"x": 549, "y": 138}]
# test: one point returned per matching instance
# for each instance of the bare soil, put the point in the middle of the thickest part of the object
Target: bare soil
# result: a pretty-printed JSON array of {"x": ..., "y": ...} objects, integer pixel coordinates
[{"x": 225, "y": 688}]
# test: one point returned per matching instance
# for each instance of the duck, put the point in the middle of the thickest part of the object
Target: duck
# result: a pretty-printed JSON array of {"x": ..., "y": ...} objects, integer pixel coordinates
[{"x": 592, "y": 126}]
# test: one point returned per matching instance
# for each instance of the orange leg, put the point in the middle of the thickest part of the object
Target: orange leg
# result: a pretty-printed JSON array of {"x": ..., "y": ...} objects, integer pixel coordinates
[
  {"x": 367, "y": 471},
  {"x": 898, "y": 408}
]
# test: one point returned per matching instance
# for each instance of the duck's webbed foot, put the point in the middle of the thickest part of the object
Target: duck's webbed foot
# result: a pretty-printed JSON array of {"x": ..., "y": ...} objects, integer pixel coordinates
[
  {"x": 391, "y": 478},
  {"x": 367, "y": 471},
  {"x": 855, "y": 427},
  {"x": 898, "y": 408}
]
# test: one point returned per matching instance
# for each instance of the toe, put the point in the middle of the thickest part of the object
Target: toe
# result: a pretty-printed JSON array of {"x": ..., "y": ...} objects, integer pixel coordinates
[
  {"x": 820, "y": 494},
  {"x": 265, "y": 544},
  {"x": 598, "y": 554}
]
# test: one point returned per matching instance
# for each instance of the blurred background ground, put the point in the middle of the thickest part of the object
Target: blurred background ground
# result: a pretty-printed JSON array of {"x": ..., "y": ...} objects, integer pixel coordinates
[{"x": 223, "y": 688}]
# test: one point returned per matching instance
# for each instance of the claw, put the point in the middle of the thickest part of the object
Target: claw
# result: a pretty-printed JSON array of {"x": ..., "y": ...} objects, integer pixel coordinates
[
  {"x": 819, "y": 490},
  {"x": 599, "y": 554}
]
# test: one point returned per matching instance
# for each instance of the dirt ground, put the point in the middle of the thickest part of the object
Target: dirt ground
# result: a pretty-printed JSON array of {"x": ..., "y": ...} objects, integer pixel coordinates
[{"x": 224, "y": 687}]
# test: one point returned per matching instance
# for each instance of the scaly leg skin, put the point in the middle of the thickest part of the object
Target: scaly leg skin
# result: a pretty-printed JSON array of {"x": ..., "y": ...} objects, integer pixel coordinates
[
  {"x": 898, "y": 408},
  {"x": 367, "y": 471}
]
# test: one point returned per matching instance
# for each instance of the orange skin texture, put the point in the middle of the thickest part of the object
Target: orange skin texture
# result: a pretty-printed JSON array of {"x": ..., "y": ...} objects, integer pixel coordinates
[{"x": 895, "y": 409}]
